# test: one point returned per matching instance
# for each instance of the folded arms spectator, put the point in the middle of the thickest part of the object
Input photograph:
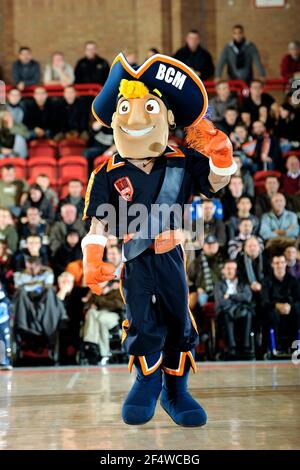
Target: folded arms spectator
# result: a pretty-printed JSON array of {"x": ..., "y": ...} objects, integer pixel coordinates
[{"x": 279, "y": 222}]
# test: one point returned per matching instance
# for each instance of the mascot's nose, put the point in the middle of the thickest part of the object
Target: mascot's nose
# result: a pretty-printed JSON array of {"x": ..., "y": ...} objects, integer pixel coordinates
[{"x": 137, "y": 115}]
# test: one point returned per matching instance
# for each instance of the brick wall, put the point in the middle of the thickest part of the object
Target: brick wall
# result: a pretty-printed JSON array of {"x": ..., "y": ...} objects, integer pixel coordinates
[{"x": 49, "y": 25}]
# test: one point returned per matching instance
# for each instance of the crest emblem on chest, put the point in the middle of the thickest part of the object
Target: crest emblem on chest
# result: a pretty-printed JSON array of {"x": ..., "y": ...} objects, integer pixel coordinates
[{"x": 124, "y": 187}]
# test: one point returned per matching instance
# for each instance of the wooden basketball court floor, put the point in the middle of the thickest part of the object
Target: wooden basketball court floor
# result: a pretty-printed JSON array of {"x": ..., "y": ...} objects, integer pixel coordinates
[{"x": 250, "y": 406}]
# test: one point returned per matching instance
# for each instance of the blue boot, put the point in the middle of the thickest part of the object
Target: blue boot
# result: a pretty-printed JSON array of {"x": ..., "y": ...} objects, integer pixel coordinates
[
  {"x": 140, "y": 404},
  {"x": 175, "y": 397}
]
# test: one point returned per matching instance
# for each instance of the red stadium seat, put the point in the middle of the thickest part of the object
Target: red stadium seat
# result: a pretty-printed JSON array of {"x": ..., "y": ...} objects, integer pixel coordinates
[
  {"x": 99, "y": 160},
  {"x": 70, "y": 147},
  {"x": 44, "y": 147},
  {"x": 291, "y": 152},
  {"x": 42, "y": 165},
  {"x": 18, "y": 163},
  {"x": 72, "y": 167}
]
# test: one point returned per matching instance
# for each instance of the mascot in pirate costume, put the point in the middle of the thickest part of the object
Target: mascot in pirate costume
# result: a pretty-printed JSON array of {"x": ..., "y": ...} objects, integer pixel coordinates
[{"x": 159, "y": 333}]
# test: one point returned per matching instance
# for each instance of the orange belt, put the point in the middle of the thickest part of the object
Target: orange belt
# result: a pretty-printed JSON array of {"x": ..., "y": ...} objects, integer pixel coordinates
[{"x": 163, "y": 242}]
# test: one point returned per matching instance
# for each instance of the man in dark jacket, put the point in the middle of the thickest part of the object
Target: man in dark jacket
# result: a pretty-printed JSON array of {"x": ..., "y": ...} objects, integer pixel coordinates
[
  {"x": 233, "y": 306},
  {"x": 238, "y": 56},
  {"x": 195, "y": 56},
  {"x": 26, "y": 70},
  {"x": 41, "y": 116},
  {"x": 281, "y": 303},
  {"x": 91, "y": 68}
]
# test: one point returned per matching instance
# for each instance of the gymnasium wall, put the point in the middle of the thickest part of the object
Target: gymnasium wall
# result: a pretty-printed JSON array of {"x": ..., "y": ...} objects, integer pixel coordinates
[{"x": 49, "y": 25}]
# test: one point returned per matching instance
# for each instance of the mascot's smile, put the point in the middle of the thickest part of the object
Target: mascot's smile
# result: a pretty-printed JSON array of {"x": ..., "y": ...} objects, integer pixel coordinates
[{"x": 137, "y": 132}]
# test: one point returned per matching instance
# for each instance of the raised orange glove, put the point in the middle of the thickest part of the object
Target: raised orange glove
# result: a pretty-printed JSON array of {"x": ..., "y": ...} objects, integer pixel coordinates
[
  {"x": 94, "y": 268},
  {"x": 214, "y": 144}
]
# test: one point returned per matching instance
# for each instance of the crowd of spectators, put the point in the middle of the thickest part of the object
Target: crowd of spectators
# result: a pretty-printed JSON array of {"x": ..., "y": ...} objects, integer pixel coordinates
[{"x": 246, "y": 273}]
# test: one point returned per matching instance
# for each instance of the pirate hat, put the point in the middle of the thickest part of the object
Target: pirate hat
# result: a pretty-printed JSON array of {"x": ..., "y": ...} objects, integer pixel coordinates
[{"x": 172, "y": 80}]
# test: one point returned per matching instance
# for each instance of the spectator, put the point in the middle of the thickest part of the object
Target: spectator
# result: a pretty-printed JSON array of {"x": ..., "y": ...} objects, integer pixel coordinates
[
  {"x": 68, "y": 252},
  {"x": 281, "y": 303},
  {"x": 290, "y": 64},
  {"x": 74, "y": 116},
  {"x": 225, "y": 99},
  {"x": 244, "y": 173},
  {"x": 13, "y": 136},
  {"x": 239, "y": 56},
  {"x": 69, "y": 221},
  {"x": 26, "y": 71},
  {"x": 213, "y": 226},
  {"x": 233, "y": 193},
  {"x": 252, "y": 266},
  {"x": 259, "y": 106},
  {"x": 244, "y": 207},
  {"x": 291, "y": 180},
  {"x": 14, "y": 105},
  {"x": 130, "y": 56},
  {"x": 243, "y": 143},
  {"x": 35, "y": 277},
  {"x": 263, "y": 201},
  {"x": 91, "y": 68},
  {"x": 287, "y": 127},
  {"x": 41, "y": 116},
  {"x": 74, "y": 197},
  {"x": 32, "y": 248},
  {"x": 101, "y": 141},
  {"x": 5, "y": 346},
  {"x": 8, "y": 232},
  {"x": 279, "y": 222},
  {"x": 36, "y": 198},
  {"x": 267, "y": 155},
  {"x": 44, "y": 182},
  {"x": 205, "y": 270},
  {"x": 6, "y": 272},
  {"x": 33, "y": 224},
  {"x": 236, "y": 245},
  {"x": 195, "y": 56},
  {"x": 11, "y": 189},
  {"x": 58, "y": 72},
  {"x": 234, "y": 308},
  {"x": 229, "y": 121},
  {"x": 292, "y": 261}
]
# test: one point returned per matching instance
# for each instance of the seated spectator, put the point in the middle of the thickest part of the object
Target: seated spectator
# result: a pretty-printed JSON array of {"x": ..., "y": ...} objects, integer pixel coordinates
[
  {"x": 238, "y": 56},
  {"x": 205, "y": 271},
  {"x": 236, "y": 245},
  {"x": 267, "y": 154},
  {"x": 41, "y": 115},
  {"x": 292, "y": 261},
  {"x": 259, "y": 106},
  {"x": 291, "y": 180},
  {"x": 195, "y": 56},
  {"x": 290, "y": 64},
  {"x": 73, "y": 116},
  {"x": 31, "y": 248},
  {"x": 69, "y": 221},
  {"x": 234, "y": 309},
  {"x": 287, "y": 128},
  {"x": 229, "y": 121},
  {"x": 35, "y": 277},
  {"x": 245, "y": 174},
  {"x": 74, "y": 197},
  {"x": 15, "y": 105},
  {"x": 33, "y": 224},
  {"x": 232, "y": 195},
  {"x": 11, "y": 189},
  {"x": 8, "y": 232},
  {"x": 101, "y": 141},
  {"x": 68, "y": 252},
  {"x": 279, "y": 222},
  {"x": 58, "y": 72},
  {"x": 281, "y": 304},
  {"x": 26, "y": 70},
  {"x": 263, "y": 201},
  {"x": 6, "y": 272},
  {"x": 225, "y": 99},
  {"x": 5, "y": 344},
  {"x": 36, "y": 198},
  {"x": 243, "y": 143},
  {"x": 213, "y": 226},
  {"x": 44, "y": 182},
  {"x": 13, "y": 136},
  {"x": 91, "y": 68},
  {"x": 244, "y": 207},
  {"x": 252, "y": 266}
]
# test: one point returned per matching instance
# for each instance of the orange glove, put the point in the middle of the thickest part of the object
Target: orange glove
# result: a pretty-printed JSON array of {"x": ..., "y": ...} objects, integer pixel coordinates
[
  {"x": 214, "y": 144},
  {"x": 94, "y": 268}
]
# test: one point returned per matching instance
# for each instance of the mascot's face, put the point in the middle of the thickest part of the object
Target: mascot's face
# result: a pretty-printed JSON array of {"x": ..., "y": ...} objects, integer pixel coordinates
[{"x": 141, "y": 126}]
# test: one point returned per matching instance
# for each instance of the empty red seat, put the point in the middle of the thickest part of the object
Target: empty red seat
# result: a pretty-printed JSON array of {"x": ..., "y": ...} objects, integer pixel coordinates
[
  {"x": 42, "y": 165},
  {"x": 18, "y": 163},
  {"x": 70, "y": 147},
  {"x": 72, "y": 167},
  {"x": 44, "y": 147}
]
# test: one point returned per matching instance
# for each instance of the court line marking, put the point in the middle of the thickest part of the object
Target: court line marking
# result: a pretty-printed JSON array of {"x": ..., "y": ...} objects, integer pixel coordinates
[{"x": 73, "y": 380}]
